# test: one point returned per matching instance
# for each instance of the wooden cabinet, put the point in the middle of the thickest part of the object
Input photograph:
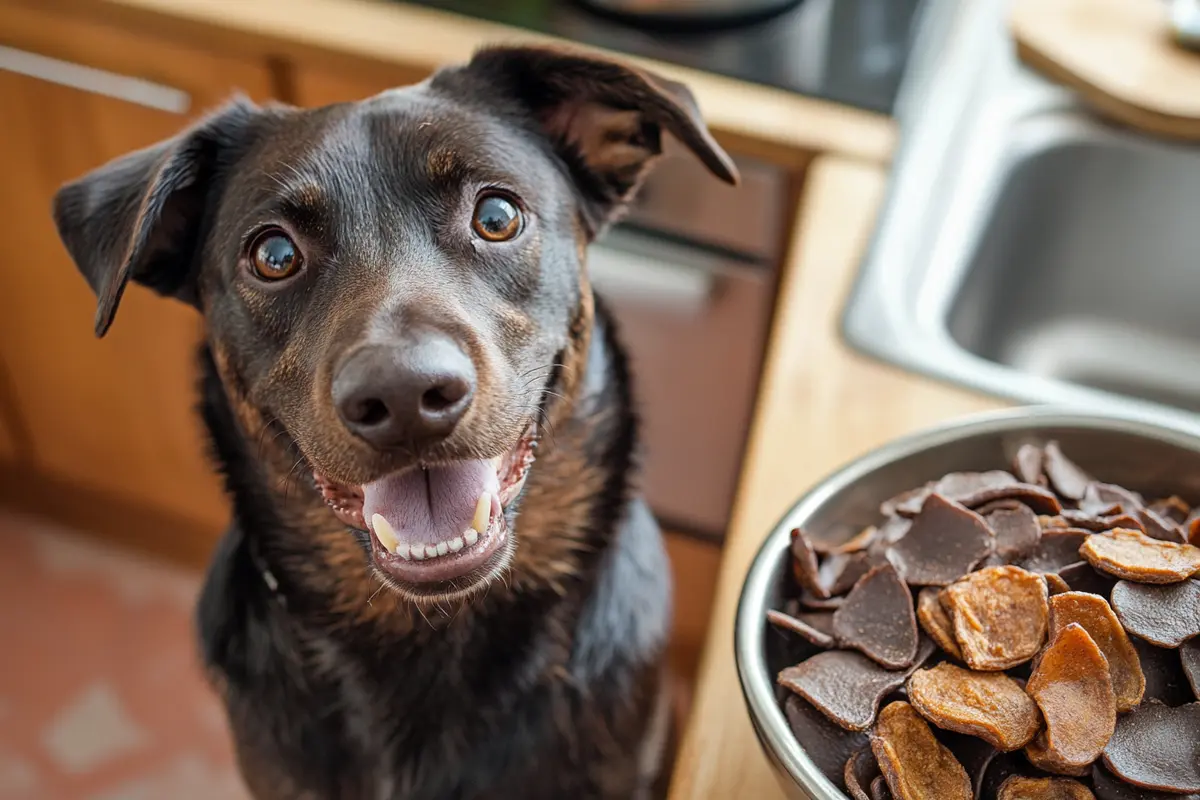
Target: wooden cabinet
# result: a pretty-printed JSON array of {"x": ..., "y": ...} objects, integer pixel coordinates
[{"x": 113, "y": 417}]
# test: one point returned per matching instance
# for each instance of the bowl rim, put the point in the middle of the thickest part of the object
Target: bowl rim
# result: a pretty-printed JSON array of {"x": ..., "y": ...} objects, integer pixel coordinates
[{"x": 749, "y": 623}]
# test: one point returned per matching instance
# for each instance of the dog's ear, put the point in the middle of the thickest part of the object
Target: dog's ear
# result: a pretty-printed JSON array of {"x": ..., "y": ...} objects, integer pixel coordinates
[
  {"x": 604, "y": 118},
  {"x": 139, "y": 216}
]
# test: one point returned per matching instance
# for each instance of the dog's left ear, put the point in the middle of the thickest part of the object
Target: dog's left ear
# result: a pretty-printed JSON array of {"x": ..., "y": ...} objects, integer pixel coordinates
[
  {"x": 139, "y": 216},
  {"x": 604, "y": 118}
]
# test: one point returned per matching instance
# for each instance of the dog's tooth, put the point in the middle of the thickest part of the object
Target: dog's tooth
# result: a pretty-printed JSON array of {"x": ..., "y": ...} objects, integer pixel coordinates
[
  {"x": 385, "y": 533},
  {"x": 455, "y": 544},
  {"x": 470, "y": 536},
  {"x": 442, "y": 548},
  {"x": 402, "y": 550},
  {"x": 483, "y": 513},
  {"x": 431, "y": 551},
  {"x": 418, "y": 552}
]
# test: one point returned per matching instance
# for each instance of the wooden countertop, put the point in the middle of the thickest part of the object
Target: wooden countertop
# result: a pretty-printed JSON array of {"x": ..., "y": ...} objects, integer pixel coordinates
[{"x": 820, "y": 405}]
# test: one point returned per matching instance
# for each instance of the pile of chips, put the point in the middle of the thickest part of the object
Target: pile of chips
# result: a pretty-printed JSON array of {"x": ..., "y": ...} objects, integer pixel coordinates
[{"x": 1002, "y": 635}]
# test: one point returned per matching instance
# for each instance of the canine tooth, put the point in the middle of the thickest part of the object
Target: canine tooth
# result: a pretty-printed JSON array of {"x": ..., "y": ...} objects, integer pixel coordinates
[
  {"x": 470, "y": 536},
  {"x": 418, "y": 552},
  {"x": 385, "y": 533},
  {"x": 431, "y": 551},
  {"x": 455, "y": 544},
  {"x": 442, "y": 548},
  {"x": 402, "y": 550},
  {"x": 483, "y": 513}
]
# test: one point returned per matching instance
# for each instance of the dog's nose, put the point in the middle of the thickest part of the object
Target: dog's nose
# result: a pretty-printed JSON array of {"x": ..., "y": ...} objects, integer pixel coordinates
[{"x": 405, "y": 395}]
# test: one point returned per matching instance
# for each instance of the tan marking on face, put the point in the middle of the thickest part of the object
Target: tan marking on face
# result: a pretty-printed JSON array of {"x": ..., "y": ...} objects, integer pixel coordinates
[{"x": 441, "y": 163}]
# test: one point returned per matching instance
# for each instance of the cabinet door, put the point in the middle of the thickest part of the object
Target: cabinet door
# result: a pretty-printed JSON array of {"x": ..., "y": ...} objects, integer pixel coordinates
[
  {"x": 114, "y": 415},
  {"x": 323, "y": 85}
]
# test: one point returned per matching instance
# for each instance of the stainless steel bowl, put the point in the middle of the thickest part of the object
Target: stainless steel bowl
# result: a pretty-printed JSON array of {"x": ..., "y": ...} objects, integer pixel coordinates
[{"x": 1145, "y": 456}]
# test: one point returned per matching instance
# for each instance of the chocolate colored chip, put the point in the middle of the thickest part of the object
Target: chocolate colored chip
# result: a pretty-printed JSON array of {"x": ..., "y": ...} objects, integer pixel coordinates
[
  {"x": 810, "y": 601},
  {"x": 840, "y": 571},
  {"x": 878, "y": 620},
  {"x": 1172, "y": 508},
  {"x": 936, "y": 622},
  {"x": 1157, "y": 747},
  {"x": 1083, "y": 577},
  {"x": 861, "y": 769},
  {"x": 825, "y": 743},
  {"x": 952, "y": 486},
  {"x": 914, "y": 763},
  {"x": 1165, "y": 679},
  {"x": 1056, "y": 549},
  {"x": 1192, "y": 530},
  {"x": 989, "y": 705},
  {"x": 858, "y": 541},
  {"x": 1101, "y": 498},
  {"x": 1055, "y": 583},
  {"x": 798, "y": 626},
  {"x": 972, "y": 752},
  {"x": 1065, "y": 476},
  {"x": 804, "y": 564},
  {"x": 845, "y": 686},
  {"x": 998, "y": 771},
  {"x": 1094, "y": 615},
  {"x": 1027, "y": 464},
  {"x": 1088, "y": 522},
  {"x": 1189, "y": 657},
  {"x": 1071, "y": 685},
  {"x": 944, "y": 543},
  {"x": 1018, "y": 787},
  {"x": 1135, "y": 556},
  {"x": 880, "y": 790},
  {"x": 1041, "y": 501},
  {"x": 1109, "y": 787},
  {"x": 999, "y": 616},
  {"x": 1158, "y": 527},
  {"x": 1017, "y": 531}
]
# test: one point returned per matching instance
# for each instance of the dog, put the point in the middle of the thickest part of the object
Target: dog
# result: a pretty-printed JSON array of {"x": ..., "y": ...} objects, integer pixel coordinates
[{"x": 440, "y": 580}]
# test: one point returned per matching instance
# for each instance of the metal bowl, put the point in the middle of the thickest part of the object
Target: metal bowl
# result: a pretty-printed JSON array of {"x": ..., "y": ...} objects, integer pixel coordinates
[{"x": 1155, "y": 460}]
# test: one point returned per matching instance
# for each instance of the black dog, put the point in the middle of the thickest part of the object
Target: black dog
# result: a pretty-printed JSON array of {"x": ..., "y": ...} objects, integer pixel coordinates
[{"x": 398, "y": 317}]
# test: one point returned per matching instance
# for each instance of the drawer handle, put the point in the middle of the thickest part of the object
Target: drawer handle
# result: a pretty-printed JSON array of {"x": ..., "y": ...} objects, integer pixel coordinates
[{"x": 95, "y": 81}]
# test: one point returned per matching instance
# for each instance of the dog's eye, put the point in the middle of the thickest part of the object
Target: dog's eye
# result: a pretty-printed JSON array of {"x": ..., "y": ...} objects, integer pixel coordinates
[
  {"x": 497, "y": 219},
  {"x": 275, "y": 256}
]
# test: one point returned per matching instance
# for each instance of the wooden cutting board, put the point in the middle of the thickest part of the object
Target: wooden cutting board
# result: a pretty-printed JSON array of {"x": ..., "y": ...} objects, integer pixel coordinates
[{"x": 1121, "y": 56}]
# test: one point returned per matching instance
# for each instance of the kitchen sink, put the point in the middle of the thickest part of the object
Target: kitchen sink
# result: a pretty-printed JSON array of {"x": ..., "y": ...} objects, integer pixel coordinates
[{"x": 1026, "y": 248}]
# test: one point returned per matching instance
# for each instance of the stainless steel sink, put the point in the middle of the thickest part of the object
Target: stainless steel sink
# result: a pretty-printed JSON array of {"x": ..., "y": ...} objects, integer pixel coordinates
[{"x": 1026, "y": 248}]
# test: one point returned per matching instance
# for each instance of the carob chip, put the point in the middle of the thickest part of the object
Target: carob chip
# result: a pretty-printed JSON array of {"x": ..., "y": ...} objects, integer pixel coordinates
[
  {"x": 858, "y": 541},
  {"x": 1102, "y": 498},
  {"x": 944, "y": 542},
  {"x": 1016, "y": 528},
  {"x": 1082, "y": 577},
  {"x": 1189, "y": 655},
  {"x": 847, "y": 687},
  {"x": 1157, "y": 747},
  {"x": 1095, "y": 616},
  {"x": 999, "y": 616},
  {"x": 1055, "y": 583},
  {"x": 1157, "y": 527},
  {"x": 861, "y": 769},
  {"x": 804, "y": 564},
  {"x": 1065, "y": 476},
  {"x": 935, "y": 622},
  {"x": 1071, "y": 686},
  {"x": 826, "y": 744},
  {"x": 1135, "y": 556},
  {"x": 1039, "y": 754},
  {"x": 973, "y": 753},
  {"x": 811, "y": 601},
  {"x": 1027, "y": 464},
  {"x": 1109, "y": 787},
  {"x": 1163, "y": 615},
  {"x": 880, "y": 790},
  {"x": 1165, "y": 679},
  {"x": 840, "y": 571},
  {"x": 914, "y": 763},
  {"x": 1173, "y": 508},
  {"x": 877, "y": 619},
  {"x": 1018, "y": 787},
  {"x": 1079, "y": 519},
  {"x": 1057, "y": 548},
  {"x": 802, "y": 627},
  {"x": 989, "y": 705},
  {"x": 1042, "y": 501}
]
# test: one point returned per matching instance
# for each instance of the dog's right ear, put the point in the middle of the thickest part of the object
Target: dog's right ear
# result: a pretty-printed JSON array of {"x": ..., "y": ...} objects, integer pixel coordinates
[{"x": 139, "y": 217}]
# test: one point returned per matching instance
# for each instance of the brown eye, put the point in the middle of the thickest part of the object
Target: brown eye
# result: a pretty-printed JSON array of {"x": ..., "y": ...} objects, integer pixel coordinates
[
  {"x": 497, "y": 219},
  {"x": 275, "y": 256}
]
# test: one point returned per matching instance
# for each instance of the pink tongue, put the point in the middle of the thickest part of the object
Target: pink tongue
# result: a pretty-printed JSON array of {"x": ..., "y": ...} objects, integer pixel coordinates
[{"x": 432, "y": 505}]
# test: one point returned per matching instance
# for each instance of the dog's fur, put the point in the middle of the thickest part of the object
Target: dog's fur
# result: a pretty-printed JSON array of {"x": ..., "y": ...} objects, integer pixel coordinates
[{"x": 542, "y": 678}]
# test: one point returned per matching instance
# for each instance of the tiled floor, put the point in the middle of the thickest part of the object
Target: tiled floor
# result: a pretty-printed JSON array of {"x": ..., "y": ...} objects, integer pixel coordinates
[{"x": 101, "y": 694}]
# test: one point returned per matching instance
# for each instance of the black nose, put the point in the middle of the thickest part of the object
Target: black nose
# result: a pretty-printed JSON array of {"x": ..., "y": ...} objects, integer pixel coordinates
[{"x": 405, "y": 395}]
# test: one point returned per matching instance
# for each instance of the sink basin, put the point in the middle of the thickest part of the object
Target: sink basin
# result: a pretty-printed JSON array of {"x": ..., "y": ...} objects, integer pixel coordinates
[{"x": 1027, "y": 249}]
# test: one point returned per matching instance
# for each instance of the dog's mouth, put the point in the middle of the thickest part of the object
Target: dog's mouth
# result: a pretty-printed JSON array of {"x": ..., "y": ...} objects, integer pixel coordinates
[{"x": 437, "y": 524}]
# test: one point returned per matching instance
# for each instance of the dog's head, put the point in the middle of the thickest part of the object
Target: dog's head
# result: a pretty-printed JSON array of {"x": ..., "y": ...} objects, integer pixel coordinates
[{"x": 396, "y": 283}]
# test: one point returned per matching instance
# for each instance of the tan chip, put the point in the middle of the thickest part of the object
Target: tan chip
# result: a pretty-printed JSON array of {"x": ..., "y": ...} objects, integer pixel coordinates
[
  {"x": 1071, "y": 686},
  {"x": 1018, "y": 787},
  {"x": 935, "y": 622},
  {"x": 1134, "y": 556},
  {"x": 989, "y": 705},
  {"x": 999, "y": 616},
  {"x": 1093, "y": 613},
  {"x": 915, "y": 764},
  {"x": 1043, "y": 758}
]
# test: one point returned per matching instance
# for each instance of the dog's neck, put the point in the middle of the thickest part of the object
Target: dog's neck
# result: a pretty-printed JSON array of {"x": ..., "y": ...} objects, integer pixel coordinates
[{"x": 573, "y": 499}]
